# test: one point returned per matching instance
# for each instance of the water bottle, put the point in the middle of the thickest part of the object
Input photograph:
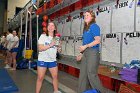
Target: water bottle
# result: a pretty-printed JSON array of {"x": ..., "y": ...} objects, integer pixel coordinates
[{"x": 57, "y": 39}]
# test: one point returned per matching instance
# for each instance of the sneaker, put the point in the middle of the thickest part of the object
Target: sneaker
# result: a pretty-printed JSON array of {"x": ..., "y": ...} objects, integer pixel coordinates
[
  {"x": 57, "y": 92},
  {"x": 7, "y": 66},
  {"x": 12, "y": 69}
]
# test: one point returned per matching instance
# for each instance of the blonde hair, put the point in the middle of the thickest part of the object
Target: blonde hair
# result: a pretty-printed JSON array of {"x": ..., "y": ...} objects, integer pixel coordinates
[{"x": 86, "y": 26}]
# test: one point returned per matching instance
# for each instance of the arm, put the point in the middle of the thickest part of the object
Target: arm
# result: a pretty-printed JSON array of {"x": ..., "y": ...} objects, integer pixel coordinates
[
  {"x": 59, "y": 48},
  {"x": 16, "y": 40},
  {"x": 42, "y": 47},
  {"x": 95, "y": 42},
  {"x": 6, "y": 43},
  {"x": 79, "y": 57},
  {"x": 95, "y": 31},
  {"x": 15, "y": 43}
]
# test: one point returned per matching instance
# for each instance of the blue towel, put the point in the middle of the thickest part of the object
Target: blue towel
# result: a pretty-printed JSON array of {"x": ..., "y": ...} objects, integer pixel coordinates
[
  {"x": 7, "y": 85},
  {"x": 1, "y": 60}
]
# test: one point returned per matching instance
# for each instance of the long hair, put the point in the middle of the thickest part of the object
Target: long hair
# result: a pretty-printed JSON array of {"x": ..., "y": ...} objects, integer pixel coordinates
[
  {"x": 86, "y": 26},
  {"x": 55, "y": 31}
]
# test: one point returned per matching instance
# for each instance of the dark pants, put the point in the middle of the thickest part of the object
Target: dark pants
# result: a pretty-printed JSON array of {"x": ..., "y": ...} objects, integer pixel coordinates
[{"x": 89, "y": 71}]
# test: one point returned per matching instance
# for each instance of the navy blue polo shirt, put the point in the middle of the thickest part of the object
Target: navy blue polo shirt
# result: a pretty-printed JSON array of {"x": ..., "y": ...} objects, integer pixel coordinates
[{"x": 88, "y": 36}]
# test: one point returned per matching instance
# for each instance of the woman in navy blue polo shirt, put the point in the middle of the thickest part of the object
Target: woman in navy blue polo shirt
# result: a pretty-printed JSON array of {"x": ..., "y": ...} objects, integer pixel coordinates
[{"x": 89, "y": 55}]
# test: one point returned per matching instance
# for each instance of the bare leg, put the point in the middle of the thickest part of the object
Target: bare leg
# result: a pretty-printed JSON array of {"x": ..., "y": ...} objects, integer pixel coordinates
[
  {"x": 14, "y": 54},
  {"x": 54, "y": 73},
  {"x": 9, "y": 58},
  {"x": 41, "y": 73}
]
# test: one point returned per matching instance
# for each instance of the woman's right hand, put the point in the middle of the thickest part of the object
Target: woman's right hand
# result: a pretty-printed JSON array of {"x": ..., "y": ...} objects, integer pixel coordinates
[
  {"x": 79, "y": 57},
  {"x": 52, "y": 43}
]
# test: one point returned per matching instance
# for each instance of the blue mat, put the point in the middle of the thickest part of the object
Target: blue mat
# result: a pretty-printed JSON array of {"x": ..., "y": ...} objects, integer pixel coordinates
[
  {"x": 7, "y": 85},
  {"x": 1, "y": 60}
]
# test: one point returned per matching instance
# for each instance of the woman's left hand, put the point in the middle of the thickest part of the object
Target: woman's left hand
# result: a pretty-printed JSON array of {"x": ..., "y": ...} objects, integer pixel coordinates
[
  {"x": 82, "y": 48},
  {"x": 59, "y": 49}
]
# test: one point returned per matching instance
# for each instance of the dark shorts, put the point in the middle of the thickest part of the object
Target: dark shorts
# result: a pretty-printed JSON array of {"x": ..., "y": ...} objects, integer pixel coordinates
[
  {"x": 14, "y": 50},
  {"x": 4, "y": 48},
  {"x": 1, "y": 47},
  {"x": 46, "y": 64}
]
